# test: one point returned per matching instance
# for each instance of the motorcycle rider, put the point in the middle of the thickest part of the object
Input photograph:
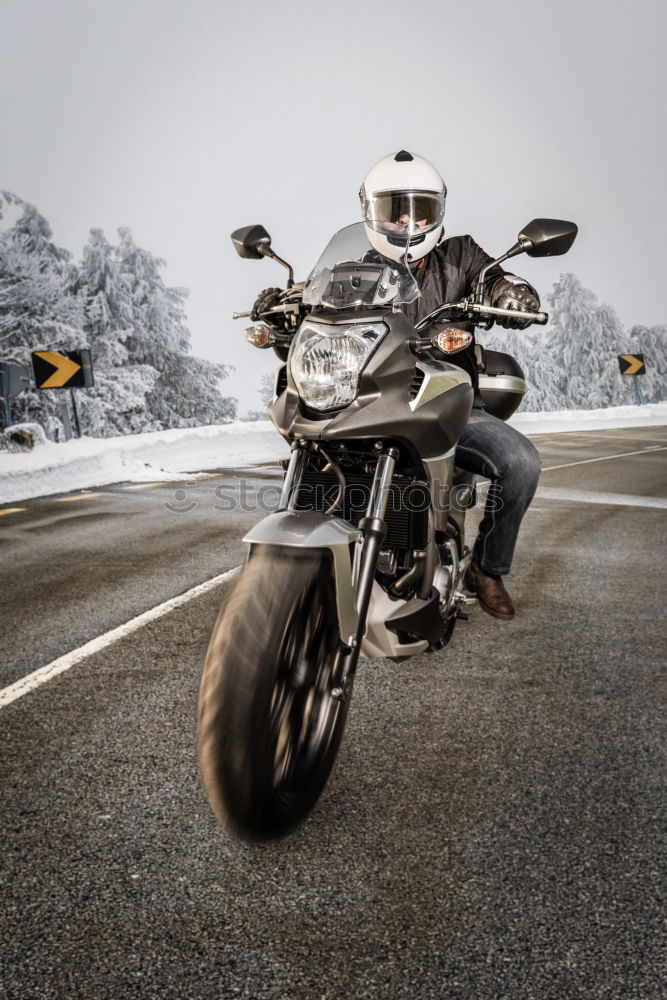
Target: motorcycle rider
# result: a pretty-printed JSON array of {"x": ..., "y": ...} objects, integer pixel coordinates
[{"x": 403, "y": 205}]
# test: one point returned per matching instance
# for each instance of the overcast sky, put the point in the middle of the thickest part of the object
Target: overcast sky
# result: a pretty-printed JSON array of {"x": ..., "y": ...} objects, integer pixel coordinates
[{"x": 185, "y": 121}]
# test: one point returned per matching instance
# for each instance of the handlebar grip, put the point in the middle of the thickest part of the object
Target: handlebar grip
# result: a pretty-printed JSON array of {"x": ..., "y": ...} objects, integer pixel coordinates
[{"x": 482, "y": 310}]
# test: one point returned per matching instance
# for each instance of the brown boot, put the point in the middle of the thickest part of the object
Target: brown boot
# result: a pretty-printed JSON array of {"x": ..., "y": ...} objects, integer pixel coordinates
[{"x": 491, "y": 592}]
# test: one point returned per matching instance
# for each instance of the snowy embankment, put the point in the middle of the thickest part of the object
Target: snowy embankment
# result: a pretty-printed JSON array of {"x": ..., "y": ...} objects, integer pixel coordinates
[
  {"x": 138, "y": 458},
  {"x": 177, "y": 454},
  {"x": 561, "y": 421}
]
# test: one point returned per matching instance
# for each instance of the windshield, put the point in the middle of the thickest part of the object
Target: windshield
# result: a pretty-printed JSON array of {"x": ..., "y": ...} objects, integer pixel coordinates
[{"x": 350, "y": 274}]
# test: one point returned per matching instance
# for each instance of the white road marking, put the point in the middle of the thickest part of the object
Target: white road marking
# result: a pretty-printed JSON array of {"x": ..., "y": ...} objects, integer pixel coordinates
[
  {"x": 79, "y": 496},
  {"x": 606, "y": 458},
  {"x": 610, "y": 435},
  {"x": 604, "y": 499},
  {"x": 63, "y": 663},
  {"x": 272, "y": 465},
  {"x": 145, "y": 486}
]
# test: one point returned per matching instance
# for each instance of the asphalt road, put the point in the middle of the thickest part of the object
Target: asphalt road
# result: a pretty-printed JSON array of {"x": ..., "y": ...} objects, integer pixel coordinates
[{"x": 494, "y": 825}]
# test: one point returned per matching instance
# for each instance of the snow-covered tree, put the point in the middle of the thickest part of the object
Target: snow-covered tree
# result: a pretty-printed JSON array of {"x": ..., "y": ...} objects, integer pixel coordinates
[
  {"x": 539, "y": 368},
  {"x": 584, "y": 340},
  {"x": 187, "y": 393},
  {"x": 107, "y": 302},
  {"x": 652, "y": 343},
  {"x": 117, "y": 403},
  {"x": 266, "y": 388},
  {"x": 266, "y": 392},
  {"x": 573, "y": 362},
  {"x": 187, "y": 390},
  {"x": 158, "y": 315},
  {"x": 40, "y": 308}
]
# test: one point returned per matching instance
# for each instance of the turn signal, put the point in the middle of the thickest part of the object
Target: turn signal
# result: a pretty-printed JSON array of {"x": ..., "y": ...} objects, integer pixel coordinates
[
  {"x": 259, "y": 336},
  {"x": 450, "y": 341}
]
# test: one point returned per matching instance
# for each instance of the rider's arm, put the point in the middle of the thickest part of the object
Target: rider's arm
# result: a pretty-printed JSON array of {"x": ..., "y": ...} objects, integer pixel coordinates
[
  {"x": 505, "y": 290},
  {"x": 473, "y": 260}
]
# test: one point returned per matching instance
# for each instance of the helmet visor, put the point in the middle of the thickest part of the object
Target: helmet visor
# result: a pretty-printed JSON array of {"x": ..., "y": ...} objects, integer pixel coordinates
[{"x": 404, "y": 213}]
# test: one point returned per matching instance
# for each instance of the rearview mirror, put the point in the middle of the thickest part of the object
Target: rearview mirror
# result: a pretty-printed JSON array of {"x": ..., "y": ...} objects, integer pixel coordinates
[
  {"x": 251, "y": 242},
  {"x": 547, "y": 237}
]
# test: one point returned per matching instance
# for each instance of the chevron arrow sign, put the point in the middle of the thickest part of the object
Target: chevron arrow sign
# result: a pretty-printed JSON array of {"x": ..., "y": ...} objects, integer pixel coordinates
[
  {"x": 62, "y": 369},
  {"x": 631, "y": 364}
]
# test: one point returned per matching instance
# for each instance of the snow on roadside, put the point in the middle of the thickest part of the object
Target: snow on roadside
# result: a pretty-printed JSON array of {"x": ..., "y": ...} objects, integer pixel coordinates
[
  {"x": 138, "y": 458},
  {"x": 562, "y": 421},
  {"x": 170, "y": 455}
]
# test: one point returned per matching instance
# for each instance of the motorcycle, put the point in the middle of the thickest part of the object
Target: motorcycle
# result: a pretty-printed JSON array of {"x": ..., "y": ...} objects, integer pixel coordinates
[{"x": 365, "y": 555}]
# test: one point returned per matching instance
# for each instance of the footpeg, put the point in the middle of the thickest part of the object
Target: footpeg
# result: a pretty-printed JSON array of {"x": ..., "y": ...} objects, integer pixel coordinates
[{"x": 463, "y": 598}]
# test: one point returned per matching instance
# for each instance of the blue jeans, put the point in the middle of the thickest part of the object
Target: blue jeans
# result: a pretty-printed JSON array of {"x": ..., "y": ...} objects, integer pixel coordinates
[{"x": 491, "y": 448}]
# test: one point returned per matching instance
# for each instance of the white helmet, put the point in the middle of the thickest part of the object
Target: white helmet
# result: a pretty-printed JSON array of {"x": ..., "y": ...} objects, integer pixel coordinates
[{"x": 403, "y": 205}]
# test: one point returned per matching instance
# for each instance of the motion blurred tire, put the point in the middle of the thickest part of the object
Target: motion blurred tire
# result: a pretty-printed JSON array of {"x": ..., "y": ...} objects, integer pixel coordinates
[{"x": 268, "y": 726}]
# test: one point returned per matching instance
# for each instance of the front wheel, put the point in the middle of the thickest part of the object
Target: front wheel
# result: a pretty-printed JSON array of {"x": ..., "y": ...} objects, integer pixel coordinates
[{"x": 268, "y": 727}]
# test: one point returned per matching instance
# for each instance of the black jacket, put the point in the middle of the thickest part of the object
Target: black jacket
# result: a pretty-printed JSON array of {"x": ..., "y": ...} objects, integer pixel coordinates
[{"x": 447, "y": 275}]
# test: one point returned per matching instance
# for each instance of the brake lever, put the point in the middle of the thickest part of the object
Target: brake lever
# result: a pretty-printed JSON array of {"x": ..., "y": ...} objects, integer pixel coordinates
[{"x": 457, "y": 310}]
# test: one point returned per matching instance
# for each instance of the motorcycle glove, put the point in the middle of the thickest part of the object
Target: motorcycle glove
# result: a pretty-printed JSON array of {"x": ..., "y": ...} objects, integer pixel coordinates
[
  {"x": 266, "y": 299},
  {"x": 512, "y": 292}
]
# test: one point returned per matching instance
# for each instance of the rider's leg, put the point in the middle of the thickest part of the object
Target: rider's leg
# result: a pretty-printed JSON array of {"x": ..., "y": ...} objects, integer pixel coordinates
[{"x": 493, "y": 449}]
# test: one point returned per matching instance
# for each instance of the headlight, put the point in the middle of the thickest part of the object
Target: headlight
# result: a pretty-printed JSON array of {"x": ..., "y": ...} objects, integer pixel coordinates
[{"x": 328, "y": 360}]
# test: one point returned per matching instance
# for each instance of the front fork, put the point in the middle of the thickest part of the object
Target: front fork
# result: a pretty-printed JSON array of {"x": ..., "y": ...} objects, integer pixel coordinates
[{"x": 374, "y": 528}]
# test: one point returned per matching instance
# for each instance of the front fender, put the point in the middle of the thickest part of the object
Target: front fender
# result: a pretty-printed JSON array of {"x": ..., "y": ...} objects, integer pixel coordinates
[{"x": 314, "y": 530}]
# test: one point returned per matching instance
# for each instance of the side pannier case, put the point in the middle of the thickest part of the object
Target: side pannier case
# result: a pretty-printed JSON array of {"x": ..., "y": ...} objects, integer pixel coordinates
[{"x": 501, "y": 382}]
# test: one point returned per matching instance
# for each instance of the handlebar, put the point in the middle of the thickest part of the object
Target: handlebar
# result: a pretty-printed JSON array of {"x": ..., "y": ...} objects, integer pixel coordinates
[
  {"x": 287, "y": 307},
  {"x": 467, "y": 309},
  {"x": 538, "y": 317}
]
